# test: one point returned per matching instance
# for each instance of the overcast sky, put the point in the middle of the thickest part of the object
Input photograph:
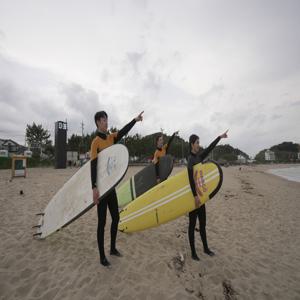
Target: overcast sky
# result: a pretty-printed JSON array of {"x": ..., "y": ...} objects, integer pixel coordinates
[{"x": 195, "y": 66}]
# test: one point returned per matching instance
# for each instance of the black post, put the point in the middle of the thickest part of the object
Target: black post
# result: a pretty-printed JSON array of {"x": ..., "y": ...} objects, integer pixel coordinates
[{"x": 60, "y": 145}]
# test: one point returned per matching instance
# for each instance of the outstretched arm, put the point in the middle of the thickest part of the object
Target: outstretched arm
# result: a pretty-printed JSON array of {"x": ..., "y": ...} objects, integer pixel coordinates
[
  {"x": 170, "y": 140},
  {"x": 204, "y": 154},
  {"x": 128, "y": 127}
]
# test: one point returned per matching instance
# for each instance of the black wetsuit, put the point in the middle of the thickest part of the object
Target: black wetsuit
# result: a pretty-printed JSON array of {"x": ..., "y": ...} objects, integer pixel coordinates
[
  {"x": 199, "y": 212},
  {"x": 100, "y": 142}
]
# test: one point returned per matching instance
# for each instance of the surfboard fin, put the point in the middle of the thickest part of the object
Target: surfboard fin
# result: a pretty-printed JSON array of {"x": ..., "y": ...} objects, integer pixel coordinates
[
  {"x": 37, "y": 234},
  {"x": 37, "y": 226}
]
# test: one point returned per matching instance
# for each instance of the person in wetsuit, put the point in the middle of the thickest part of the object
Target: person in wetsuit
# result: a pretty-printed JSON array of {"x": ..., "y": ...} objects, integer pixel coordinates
[
  {"x": 100, "y": 142},
  {"x": 161, "y": 150},
  {"x": 194, "y": 158}
]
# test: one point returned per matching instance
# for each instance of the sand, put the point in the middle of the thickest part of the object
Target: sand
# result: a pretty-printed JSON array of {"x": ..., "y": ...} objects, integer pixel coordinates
[{"x": 253, "y": 226}]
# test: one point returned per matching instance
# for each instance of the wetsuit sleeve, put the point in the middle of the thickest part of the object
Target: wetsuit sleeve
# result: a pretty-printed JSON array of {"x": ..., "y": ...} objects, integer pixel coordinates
[
  {"x": 204, "y": 154},
  {"x": 94, "y": 160},
  {"x": 124, "y": 130},
  {"x": 191, "y": 176},
  {"x": 155, "y": 161},
  {"x": 157, "y": 170},
  {"x": 169, "y": 142}
]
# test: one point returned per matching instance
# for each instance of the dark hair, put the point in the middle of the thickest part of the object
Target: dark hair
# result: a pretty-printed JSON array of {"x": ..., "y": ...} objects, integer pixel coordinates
[
  {"x": 157, "y": 138},
  {"x": 99, "y": 115},
  {"x": 193, "y": 138}
]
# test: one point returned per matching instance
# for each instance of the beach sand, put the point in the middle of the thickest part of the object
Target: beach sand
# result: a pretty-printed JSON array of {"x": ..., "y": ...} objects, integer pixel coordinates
[{"x": 253, "y": 226}]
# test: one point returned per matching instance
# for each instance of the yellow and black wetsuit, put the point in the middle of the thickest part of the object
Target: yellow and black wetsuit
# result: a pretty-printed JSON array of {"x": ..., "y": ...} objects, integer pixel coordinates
[
  {"x": 100, "y": 142},
  {"x": 160, "y": 152}
]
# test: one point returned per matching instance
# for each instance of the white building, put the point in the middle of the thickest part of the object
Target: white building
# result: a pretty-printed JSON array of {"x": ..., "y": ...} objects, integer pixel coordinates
[
  {"x": 72, "y": 156},
  {"x": 28, "y": 153},
  {"x": 269, "y": 155},
  {"x": 3, "y": 153},
  {"x": 241, "y": 159}
]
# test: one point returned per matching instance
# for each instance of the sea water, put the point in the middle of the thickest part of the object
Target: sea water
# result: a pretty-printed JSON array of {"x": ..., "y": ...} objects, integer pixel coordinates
[{"x": 292, "y": 173}]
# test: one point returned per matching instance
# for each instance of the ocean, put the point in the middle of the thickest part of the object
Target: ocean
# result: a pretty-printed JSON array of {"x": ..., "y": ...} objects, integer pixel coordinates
[{"x": 292, "y": 173}]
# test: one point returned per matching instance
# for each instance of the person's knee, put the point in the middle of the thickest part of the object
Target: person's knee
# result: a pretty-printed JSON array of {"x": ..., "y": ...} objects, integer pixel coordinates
[
  {"x": 202, "y": 228},
  {"x": 101, "y": 223},
  {"x": 192, "y": 226},
  {"x": 116, "y": 219}
]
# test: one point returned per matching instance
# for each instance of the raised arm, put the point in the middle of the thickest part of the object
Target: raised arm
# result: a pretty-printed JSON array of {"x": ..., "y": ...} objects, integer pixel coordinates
[
  {"x": 170, "y": 140},
  {"x": 206, "y": 151},
  {"x": 128, "y": 127}
]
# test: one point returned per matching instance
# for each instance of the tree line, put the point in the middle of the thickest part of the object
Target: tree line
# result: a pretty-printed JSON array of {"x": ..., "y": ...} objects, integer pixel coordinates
[{"x": 143, "y": 147}]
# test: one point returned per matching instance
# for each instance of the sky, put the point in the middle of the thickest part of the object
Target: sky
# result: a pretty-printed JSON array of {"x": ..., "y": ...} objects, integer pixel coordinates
[{"x": 199, "y": 67}]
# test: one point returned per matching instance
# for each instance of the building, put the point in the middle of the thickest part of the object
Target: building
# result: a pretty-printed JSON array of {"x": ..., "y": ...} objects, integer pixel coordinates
[
  {"x": 241, "y": 159},
  {"x": 269, "y": 155},
  {"x": 12, "y": 147}
]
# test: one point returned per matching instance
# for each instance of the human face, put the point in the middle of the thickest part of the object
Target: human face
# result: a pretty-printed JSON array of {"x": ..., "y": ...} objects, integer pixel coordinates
[
  {"x": 160, "y": 142},
  {"x": 196, "y": 146},
  {"x": 102, "y": 124}
]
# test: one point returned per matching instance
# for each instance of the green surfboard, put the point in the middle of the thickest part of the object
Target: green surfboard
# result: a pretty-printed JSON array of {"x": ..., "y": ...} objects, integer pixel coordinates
[{"x": 143, "y": 181}]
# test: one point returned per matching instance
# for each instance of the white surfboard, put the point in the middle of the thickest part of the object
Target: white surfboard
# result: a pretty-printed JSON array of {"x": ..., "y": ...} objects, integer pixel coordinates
[{"x": 76, "y": 197}]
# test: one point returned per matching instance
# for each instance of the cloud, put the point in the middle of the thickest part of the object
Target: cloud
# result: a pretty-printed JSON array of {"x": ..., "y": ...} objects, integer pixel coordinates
[
  {"x": 135, "y": 60},
  {"x": 296, "y": 103},
  {"x": 32, "y": 95},
  {"x": 200, "y": 67}
]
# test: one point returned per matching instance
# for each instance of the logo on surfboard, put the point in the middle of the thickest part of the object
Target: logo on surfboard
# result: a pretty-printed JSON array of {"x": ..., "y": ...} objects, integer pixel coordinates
[
  {"x": 111, "y": 164},
  {"x": 200, "y": 182}
]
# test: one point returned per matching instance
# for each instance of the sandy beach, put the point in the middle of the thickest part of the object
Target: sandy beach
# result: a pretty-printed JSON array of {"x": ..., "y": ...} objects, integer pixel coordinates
[{"x": 253, "y": 226}]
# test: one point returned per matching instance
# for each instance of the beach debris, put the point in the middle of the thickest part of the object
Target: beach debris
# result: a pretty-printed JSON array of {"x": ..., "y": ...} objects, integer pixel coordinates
[
  {"x": 228, "y": 291},
  {"x": 181, "y": 257},
  {"x": 200, "y": 295},
  {"x": 189, "y": 290},
  {"x": 178, "y": 262}
]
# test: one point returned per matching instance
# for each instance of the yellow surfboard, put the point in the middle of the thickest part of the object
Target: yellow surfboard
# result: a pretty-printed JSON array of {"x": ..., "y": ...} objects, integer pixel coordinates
[{"x": 171, "y": 199}]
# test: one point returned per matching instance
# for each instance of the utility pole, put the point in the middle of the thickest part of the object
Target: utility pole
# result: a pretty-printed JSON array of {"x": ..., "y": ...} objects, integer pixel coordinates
[
  {"x": 182, "y": 149},
  {"x": 82, "y": 127}
]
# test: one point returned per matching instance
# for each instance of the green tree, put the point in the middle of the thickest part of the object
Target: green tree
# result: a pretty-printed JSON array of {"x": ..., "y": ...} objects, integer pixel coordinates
[
  {"x": 74, "y": 142},
  {"x": 37, "y": 137}
]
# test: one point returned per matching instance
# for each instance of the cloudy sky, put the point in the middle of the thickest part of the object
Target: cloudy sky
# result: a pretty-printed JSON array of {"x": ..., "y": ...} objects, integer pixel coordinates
[{"x": 195, "y": 66}]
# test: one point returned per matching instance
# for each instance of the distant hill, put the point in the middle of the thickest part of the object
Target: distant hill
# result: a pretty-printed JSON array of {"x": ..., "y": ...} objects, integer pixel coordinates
[
  {"x": 227, "y": 153},
  {"x": 284, "y": 152}
]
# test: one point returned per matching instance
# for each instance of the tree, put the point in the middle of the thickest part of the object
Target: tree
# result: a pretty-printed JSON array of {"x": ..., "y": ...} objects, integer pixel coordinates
[
  {"x": 79, "y": 143},
  {"x": 74, "y": 142},
  {"x": 36, "y": 136}
]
